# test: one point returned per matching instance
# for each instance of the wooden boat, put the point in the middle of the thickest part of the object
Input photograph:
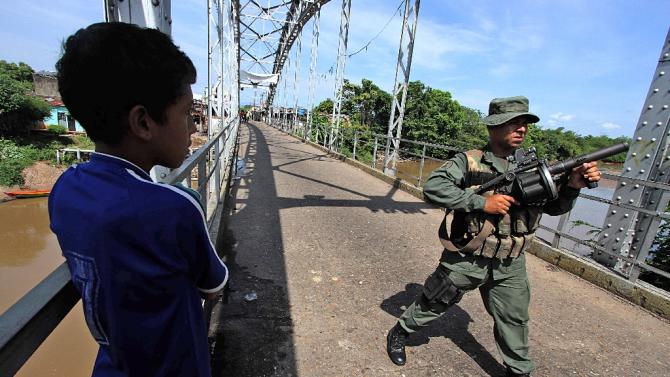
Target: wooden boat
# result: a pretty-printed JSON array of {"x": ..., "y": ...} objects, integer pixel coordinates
[{"x": 21, "y": 194}]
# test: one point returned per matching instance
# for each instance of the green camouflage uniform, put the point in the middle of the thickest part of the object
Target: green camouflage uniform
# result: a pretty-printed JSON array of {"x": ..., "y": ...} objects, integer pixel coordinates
[{"x": 502, "y": 281}]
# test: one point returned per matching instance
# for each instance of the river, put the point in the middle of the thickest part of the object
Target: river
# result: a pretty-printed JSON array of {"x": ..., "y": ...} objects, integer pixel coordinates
[{"x": 30, "y": 252}]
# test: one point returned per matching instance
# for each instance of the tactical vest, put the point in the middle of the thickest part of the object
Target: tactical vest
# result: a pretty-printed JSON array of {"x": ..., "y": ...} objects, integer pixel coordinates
[{"x": 504, "y": 236}]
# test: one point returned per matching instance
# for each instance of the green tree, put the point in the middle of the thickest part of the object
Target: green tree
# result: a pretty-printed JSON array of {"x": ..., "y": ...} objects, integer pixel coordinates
[
  {"x": 18, "y": 108},
  {"x": 19, "y": 72},
  {"x": 325, "y": 107}
]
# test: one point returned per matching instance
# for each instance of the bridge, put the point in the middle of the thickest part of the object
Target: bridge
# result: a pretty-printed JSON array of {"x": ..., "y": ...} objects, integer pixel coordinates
[{"x": 327, "y": 248}]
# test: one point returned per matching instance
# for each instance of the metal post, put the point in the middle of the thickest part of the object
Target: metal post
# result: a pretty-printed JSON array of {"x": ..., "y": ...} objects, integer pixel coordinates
[
  {"x": 312, "y": 70},
  {"x": 556, "y": 241},
  {"x": 374, "y": 153},
  {"x": 202, "y": 183},
  {"x": 353, "y": 156},
  {"x": 423, "y": 160},
  {"x": 628, "y": 232},
  {"x": 339, "y": 76},
  {"x": 296, "y": 74},
  {"x": 409, "y": 21}
]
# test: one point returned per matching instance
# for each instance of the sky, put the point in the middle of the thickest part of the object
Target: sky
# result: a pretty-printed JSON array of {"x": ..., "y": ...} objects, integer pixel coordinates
[{"x": 586, "y": 66}]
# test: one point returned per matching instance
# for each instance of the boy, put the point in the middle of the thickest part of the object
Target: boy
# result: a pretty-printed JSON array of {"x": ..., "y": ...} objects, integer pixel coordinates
[{"x": 139, "y": 252}]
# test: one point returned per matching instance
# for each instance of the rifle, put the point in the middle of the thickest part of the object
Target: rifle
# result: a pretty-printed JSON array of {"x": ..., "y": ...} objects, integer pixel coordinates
[{"x": 533, "y": 181}]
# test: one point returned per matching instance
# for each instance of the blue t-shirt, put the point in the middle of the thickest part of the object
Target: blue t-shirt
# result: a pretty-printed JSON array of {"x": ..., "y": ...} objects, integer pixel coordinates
[{"x": 138, "y": 253}]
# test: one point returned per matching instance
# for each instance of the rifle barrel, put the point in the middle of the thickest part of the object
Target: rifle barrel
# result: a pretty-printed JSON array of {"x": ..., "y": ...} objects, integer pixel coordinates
[{"x": 567, "y": 165}]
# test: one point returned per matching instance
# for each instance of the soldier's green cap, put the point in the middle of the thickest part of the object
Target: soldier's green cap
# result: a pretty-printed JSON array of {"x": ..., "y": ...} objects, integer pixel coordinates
[{"x": 505, "y": 109}]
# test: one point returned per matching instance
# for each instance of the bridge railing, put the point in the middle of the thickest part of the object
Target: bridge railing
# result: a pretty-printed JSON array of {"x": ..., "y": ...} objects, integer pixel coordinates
[
  {"x": 26, "y": 324},
  {"x": 418, "y": 162}
]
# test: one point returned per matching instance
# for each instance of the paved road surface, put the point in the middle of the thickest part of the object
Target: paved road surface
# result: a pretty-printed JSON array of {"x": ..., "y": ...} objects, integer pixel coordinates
[{"x": 333, "y": 255}]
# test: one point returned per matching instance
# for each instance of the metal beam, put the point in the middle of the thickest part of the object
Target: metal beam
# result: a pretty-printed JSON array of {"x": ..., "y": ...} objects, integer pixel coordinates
[
  {"x": 409, "y": 21},
  {"x": 631, "y": 233},
  {"x": 339, "y": 75},
  {"x": 312, "y": 71}
]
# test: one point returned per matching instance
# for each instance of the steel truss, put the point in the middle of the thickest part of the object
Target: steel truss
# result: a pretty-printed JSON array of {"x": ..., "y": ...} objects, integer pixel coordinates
[
  {"x": 631, "y": 233},
  {"x": 312, "y": 71},
  {"x": 268, "y": 29},
  {"x": 409, "y": 21},
  {"x": 339, "y": 73}
]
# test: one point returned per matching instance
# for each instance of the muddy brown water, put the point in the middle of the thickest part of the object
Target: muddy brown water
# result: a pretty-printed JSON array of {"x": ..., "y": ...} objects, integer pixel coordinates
[{"x": 29, "y": 252}]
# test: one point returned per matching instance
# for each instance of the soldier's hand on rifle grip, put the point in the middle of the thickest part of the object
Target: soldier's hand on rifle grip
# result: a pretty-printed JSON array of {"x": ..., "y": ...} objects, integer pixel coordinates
[
  {"x": 588, "y": 172},
  {"x": 498, "y": 204}
]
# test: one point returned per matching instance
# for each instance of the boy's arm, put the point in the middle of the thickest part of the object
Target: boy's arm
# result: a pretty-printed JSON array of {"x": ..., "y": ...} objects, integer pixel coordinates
[{"x": 209, "y": 274}]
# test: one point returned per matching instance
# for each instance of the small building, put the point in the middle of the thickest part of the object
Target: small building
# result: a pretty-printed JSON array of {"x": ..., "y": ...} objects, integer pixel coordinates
[{"x": 61, "y": 116}]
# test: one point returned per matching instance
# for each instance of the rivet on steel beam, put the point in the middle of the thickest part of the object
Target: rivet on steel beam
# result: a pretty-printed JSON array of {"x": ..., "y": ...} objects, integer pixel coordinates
[
  {"x": 634, "y": 154},
  {"x": 620, "y": 229},
  {"x": 624, "y": 183},
  {"x": 641, "y": 171},
  {"x": 651, "y": 202},
  {"x": 665, "y": 107},
  {"x": 655, "y": 90},
  {"x": 609, "y": 225},
  {"x": 661, "y": 73},
  {"x": 667, "y": 157},
  {"x": 650, "y": 107},
  {"x": 618, "y": 198},
  {"x": 614, "y": 211},
  {"x": 653, "y": 139},
  {"x": 628, "y": 169},
  {"x": 617, "y": 239},
  {"x": 644, "y": 123},
  {"x": 658, "y": 124},
  {"x": 631, "y": 200},
  {"x": 631, "y": 255},
  {"x": 639, "y": 138},
  {"x": 666, "y": 55},
  {"x": 634, "y": 247},
  {"x": 605, "y": 235},
  {"x": 647, "y": 155},
  {"x": 636, "y": 186},
  {"x": 625, "y": 215}
]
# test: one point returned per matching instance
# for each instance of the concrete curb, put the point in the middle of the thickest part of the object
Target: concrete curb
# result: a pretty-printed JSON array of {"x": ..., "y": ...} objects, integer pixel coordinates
[{"x": 654, "y": 300}]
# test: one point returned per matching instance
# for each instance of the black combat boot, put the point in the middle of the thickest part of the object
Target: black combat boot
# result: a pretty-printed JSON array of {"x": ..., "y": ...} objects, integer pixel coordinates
[
  {"x": 395, "y": 344},
  {"x": 511, "y": 373}
]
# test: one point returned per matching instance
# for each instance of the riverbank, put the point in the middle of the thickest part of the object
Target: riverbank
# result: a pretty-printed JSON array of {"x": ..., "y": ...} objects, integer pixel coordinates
[{"x": 40, "y": 176}]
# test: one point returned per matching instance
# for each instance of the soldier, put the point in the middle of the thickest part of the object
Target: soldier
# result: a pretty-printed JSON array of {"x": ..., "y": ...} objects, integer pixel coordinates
[{"x": 481, "y": 253}]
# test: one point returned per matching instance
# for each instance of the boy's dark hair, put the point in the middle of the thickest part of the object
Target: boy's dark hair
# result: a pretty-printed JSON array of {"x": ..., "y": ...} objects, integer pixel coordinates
[{"x": 107, "y": 68}]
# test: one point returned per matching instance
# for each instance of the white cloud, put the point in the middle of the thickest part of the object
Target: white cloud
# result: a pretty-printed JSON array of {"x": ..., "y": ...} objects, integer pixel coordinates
[
  {"x": 559, "y": 116},
  {"x": 610, "y": 126}
]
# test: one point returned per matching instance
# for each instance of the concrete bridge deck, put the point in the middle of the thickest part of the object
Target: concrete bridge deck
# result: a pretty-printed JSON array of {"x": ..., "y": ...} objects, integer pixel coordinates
[{"x": 333, "y": 255}]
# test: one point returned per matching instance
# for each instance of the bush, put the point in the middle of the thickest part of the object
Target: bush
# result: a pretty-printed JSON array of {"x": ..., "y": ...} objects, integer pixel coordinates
[{"x": 56, "y": 129}]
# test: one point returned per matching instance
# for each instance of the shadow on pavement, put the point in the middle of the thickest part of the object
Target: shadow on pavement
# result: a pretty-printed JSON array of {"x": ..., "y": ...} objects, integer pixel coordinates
[{"x": 452, "y": 325}]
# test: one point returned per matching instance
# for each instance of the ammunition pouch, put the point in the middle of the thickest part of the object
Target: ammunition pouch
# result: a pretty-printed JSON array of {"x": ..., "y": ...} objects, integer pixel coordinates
[{"x": 438, "y": 288}]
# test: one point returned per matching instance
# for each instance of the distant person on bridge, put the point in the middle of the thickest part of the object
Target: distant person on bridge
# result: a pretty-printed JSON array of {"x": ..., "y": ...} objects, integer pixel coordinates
[
  {"x": 496, "y": 264},
  {"x": 139, "y": 252}
]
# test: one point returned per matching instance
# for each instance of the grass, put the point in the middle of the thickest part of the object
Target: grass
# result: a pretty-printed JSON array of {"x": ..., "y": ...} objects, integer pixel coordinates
[{"x": 19, "y": 153}]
